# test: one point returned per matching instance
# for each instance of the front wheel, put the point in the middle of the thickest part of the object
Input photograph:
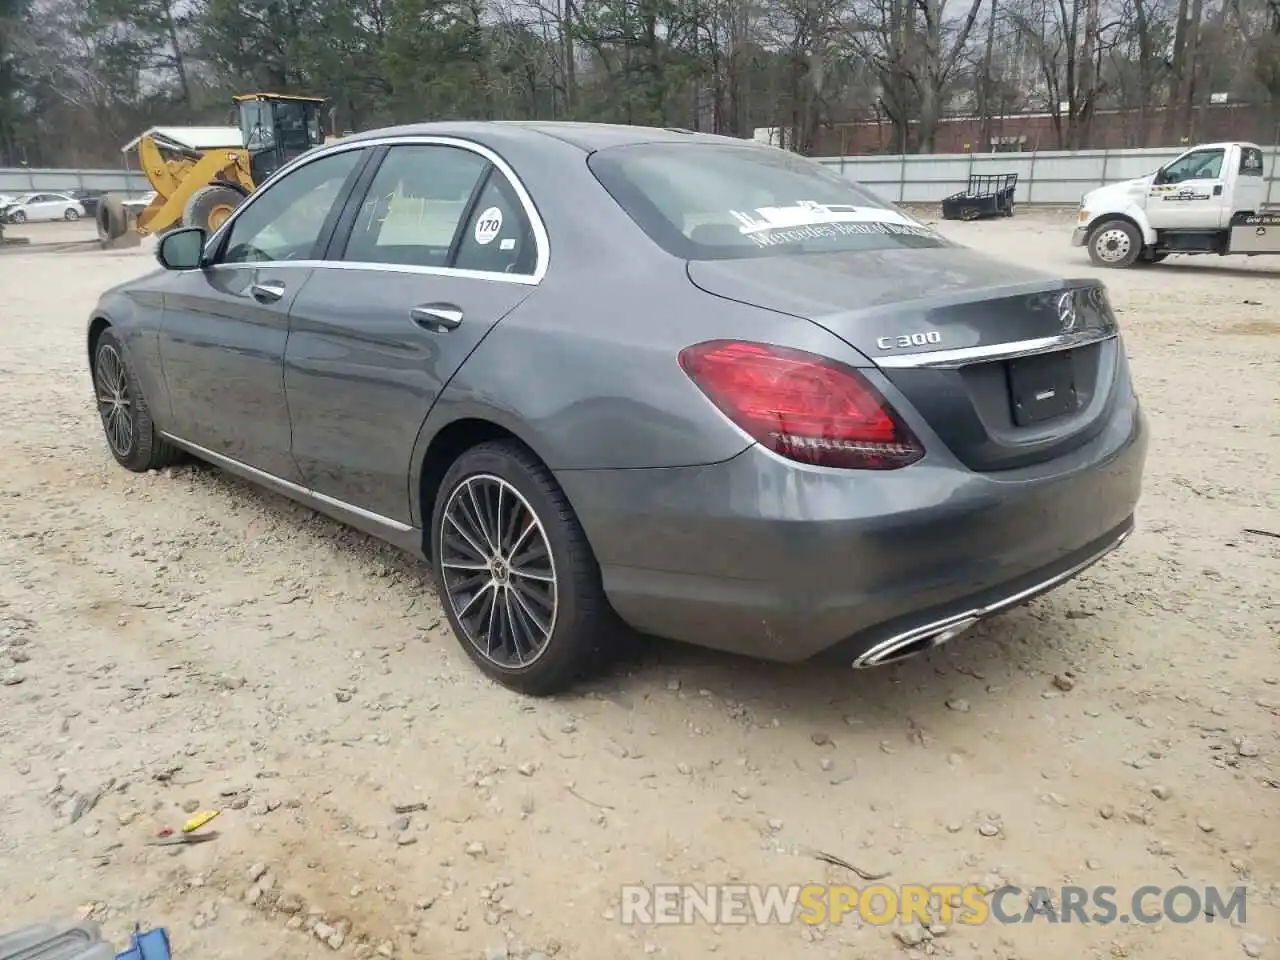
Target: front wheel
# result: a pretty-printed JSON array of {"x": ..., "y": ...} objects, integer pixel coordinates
[
  {"x": 515, "y": 573},
  {"x": 18, "y": 217},
  {"x": 1116, "y": 243},
  {"x": 126, "y": 418}
]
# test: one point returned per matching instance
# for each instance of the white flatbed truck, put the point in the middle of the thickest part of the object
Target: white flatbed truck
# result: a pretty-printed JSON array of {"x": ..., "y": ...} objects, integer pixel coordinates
[{"x": 1209, "y": 200}]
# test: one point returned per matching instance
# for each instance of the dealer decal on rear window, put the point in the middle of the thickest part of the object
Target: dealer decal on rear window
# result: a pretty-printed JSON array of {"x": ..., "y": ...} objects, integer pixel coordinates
[{"x": 806, "y": 220}]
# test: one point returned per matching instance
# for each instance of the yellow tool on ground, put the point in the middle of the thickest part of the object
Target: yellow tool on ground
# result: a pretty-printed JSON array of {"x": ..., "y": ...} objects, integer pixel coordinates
[
  {"x": 201, "y": 174},
  {"x": 199, "y": 820}
]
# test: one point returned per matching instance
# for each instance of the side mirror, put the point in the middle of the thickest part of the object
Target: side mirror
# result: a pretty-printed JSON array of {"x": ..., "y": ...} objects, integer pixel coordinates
[{"x": 182, "y": 249}]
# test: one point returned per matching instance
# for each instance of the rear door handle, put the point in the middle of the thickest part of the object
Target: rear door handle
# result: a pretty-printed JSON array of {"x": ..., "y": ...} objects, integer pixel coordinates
[
  {"x": 437, "y": 317},
  {"x": 269, "y": 291}
]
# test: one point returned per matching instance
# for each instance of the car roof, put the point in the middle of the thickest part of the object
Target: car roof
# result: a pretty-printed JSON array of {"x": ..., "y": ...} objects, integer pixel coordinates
[{"x": 586, "y": 136}]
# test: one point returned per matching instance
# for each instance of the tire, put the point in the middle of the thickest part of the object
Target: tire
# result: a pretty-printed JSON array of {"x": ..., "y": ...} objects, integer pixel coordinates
[
  {"x": 111, "y": 218},
  {"x": 1115, "y": 243},
  {"x": 71, "y": 214},
  {"x": 209, "y": 207},
  {"x": 130, "y": 432},
  {"x": 18, "y": 216},
  {"x": 575, "y": 629}
]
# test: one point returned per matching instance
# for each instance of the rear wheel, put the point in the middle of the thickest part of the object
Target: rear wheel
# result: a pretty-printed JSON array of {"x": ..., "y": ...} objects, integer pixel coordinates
[
  {"x": 1116, "y": 243},
  {"x": 516, "y": 576},
  {"x": 126, "y": 418},
  {"x": 209, "y": 207},
  {"x": 71, "y": 214}
]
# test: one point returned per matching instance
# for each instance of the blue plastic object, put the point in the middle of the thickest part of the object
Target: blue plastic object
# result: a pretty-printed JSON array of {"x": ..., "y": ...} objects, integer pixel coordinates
[{"x": 151, "y": 945}]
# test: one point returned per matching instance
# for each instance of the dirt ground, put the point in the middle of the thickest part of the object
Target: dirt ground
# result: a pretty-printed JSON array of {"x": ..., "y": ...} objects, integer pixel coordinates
[{"x": 181, "y": 641}]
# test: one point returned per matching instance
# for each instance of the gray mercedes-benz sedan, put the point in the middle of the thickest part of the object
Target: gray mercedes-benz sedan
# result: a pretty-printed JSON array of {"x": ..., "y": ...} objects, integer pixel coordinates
[{"x": 605, "y": 377}]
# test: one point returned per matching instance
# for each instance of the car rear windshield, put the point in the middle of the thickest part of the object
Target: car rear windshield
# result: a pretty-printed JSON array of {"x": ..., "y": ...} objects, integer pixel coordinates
[{"x": 712, "y": 201}]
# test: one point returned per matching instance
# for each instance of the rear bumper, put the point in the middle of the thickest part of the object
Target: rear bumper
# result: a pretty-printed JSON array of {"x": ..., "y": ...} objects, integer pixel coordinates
[{"x": 770, "y": 559}]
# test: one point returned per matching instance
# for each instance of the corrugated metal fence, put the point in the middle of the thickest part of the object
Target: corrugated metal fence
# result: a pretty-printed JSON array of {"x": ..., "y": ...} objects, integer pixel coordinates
[
  {"x": 24, "y": 180},
  {"x": 1043, "y": 177},
  {"x": 1056, "y": 176}
]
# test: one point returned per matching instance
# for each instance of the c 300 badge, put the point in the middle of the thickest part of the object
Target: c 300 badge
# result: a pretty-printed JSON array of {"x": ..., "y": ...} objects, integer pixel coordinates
[{"x": 928, "y": 338}]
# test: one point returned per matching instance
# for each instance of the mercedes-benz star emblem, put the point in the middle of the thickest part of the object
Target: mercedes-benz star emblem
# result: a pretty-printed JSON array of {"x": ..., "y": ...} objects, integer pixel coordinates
[{"x": 1067, "y": 311}]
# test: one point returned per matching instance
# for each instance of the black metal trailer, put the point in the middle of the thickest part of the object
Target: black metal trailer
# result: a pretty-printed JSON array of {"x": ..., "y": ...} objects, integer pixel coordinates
[{"x": 988, "y": 195}]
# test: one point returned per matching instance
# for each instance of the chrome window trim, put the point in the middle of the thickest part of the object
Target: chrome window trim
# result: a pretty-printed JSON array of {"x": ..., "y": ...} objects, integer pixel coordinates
[
  {"x": 287, "y": 487},
  {"x": 523, "y": 278},
  {"x": 949, "y": 359},
  {"x": 541, "y": 238}
]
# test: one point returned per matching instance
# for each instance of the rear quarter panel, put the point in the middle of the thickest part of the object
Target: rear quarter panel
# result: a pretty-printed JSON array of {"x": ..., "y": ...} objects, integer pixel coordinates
[{"x": 587, "y": 372}]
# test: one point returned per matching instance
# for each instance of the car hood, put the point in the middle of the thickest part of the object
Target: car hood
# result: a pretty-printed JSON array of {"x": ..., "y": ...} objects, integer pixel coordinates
[{"x": 944, "y": 297}]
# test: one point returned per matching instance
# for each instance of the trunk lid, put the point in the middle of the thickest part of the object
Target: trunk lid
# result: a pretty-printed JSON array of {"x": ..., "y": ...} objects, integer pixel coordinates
[{"x": 1008, "y": 366}]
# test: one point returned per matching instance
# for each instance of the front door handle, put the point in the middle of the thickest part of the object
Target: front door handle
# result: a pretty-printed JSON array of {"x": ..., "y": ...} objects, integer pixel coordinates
[
  {"x": 269, "y": 291},
  {"x": 437, "y": 317}
]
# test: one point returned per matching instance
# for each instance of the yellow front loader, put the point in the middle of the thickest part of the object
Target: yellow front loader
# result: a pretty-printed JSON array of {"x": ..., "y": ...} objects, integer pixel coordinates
[{"x": 201, "y": 174}]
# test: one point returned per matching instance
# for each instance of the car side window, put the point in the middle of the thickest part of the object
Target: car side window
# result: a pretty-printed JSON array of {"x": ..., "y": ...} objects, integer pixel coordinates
[
  {"x": 498, "y": 237},
  {"x": 1251, "y": 162},
  {"x": 285, "y": 223},
  {"x": 1201, "y": 165},
  {"x": 411, "y": 213}
]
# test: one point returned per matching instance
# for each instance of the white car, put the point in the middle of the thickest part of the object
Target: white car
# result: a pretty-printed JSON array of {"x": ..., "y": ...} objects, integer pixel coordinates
[{"x": 44, "y": 206}]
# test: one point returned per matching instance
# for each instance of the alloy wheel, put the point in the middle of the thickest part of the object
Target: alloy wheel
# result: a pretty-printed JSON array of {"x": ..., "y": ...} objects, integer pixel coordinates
[
  {"x": 115, "y": 405},
  {"x": 498, "y": 571}
]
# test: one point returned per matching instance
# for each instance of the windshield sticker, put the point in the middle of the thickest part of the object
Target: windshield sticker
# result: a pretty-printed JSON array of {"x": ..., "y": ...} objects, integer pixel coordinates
[
  {"x": 489, "y": 225},
  {"x": 806, "y": 220}
]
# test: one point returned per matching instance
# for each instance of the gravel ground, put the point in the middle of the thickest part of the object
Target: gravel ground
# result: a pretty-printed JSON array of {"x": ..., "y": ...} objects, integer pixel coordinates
[{"x": 181, "y": 641}]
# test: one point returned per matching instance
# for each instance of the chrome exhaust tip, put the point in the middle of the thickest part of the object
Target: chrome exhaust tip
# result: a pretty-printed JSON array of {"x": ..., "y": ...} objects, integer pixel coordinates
[{"x": 905, "y": 646}]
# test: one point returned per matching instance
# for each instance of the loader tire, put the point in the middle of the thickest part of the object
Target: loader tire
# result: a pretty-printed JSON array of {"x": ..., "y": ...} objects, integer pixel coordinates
[
  {"x": 112, "y": 220},
  {"x": 209, "y": 207}
]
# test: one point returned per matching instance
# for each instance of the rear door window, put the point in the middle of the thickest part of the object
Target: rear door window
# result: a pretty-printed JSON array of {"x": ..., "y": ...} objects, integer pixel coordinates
[
  {"x": 413, "y": 208},
  {"x": 706, "y": 200}
]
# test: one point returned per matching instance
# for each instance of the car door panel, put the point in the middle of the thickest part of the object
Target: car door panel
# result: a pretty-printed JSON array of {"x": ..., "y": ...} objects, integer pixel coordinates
[
  {"x": 222, "y": 351},
  {"x": 1195, "y": 197},
  {"x": 226, "y": 325},
  {"x": 360, "y": 382},
  {"x": 376, "y": 336}
]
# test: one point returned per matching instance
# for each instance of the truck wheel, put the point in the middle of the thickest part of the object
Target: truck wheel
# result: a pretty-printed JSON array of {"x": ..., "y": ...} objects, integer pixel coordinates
[
  {"x": 210, "y": 206},
  {"x": 111, "y": 218},
  {"x": 1116, "y": 243}
]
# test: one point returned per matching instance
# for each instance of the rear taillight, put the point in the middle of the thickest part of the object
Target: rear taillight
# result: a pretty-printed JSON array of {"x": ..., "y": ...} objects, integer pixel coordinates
[{"x": 802, "y": 406}]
